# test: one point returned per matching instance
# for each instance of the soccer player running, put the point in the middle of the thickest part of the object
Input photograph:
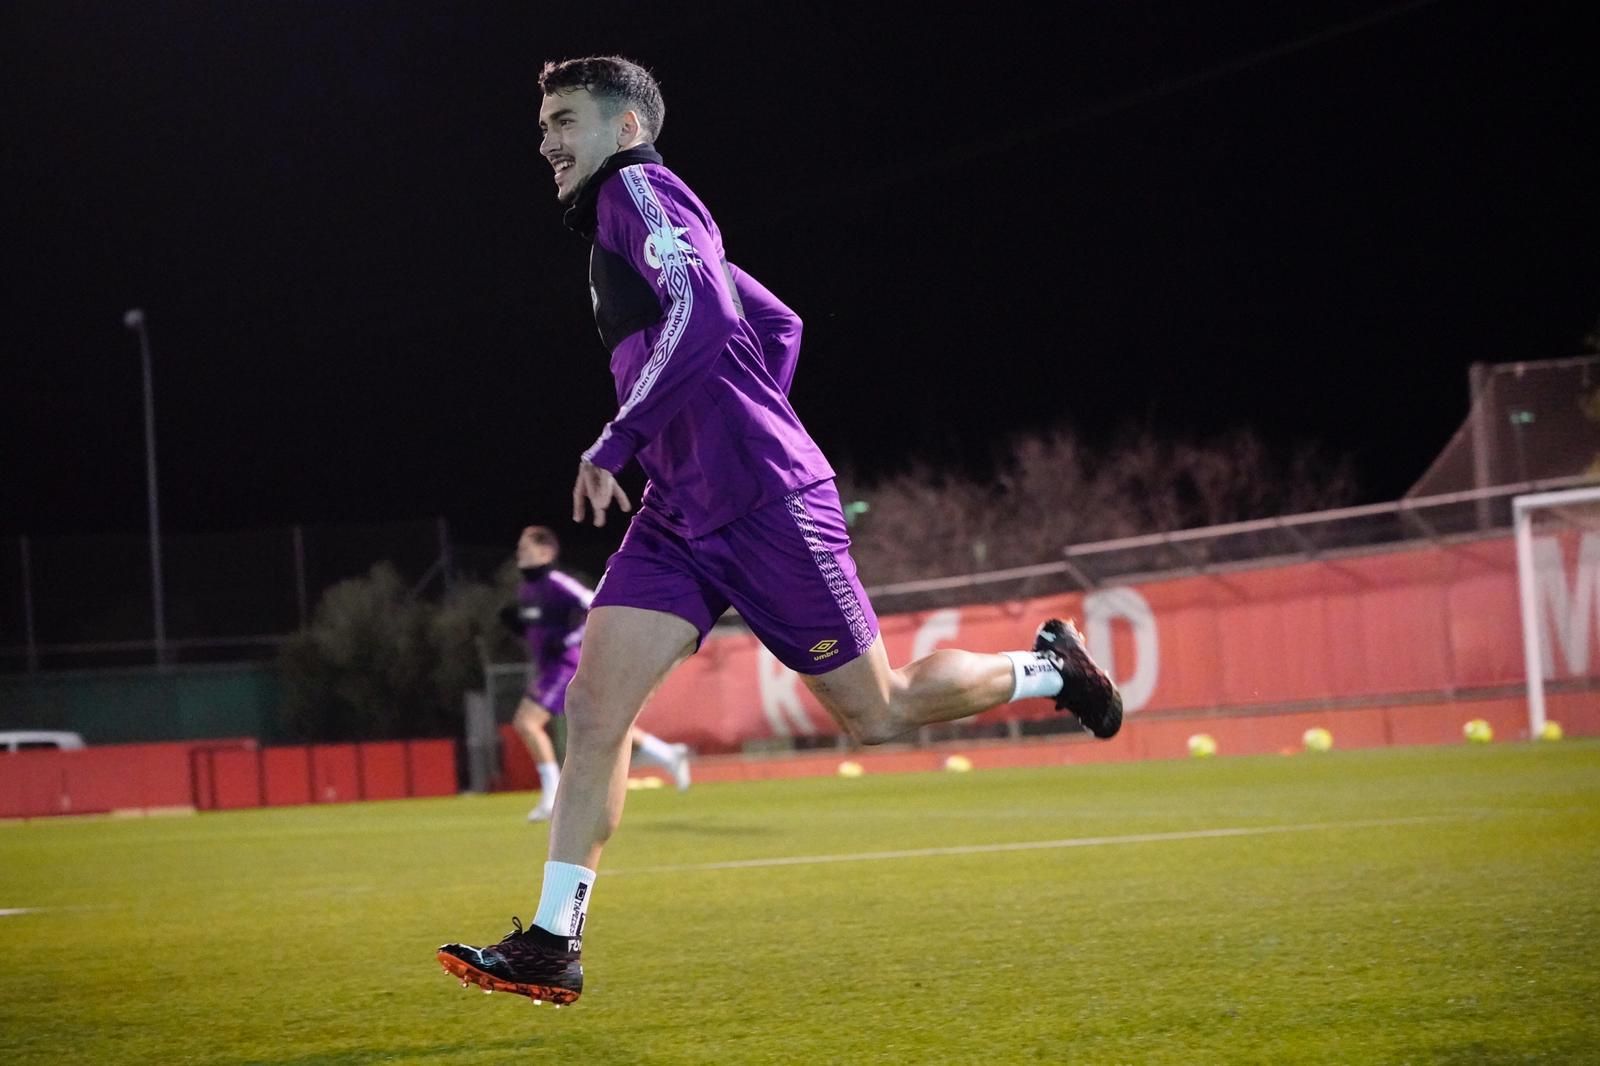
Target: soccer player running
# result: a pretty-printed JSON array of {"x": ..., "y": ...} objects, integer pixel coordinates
[
  {"x": 740, "y": 510},
  {"x": 549, "y": 615}
]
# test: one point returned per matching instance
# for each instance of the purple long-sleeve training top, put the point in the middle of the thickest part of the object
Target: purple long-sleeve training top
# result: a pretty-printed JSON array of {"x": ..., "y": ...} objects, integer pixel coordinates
[
  {"x": 703, "y": 388},
  {"x": 551, "y": 611}
]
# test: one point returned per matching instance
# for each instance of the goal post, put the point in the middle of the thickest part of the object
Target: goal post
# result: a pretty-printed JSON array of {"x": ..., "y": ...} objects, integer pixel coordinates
[{"x": 1556, "y": 615}]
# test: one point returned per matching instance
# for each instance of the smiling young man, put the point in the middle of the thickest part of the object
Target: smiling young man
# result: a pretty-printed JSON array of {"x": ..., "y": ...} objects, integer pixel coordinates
[{"x": 740, "y": 510}]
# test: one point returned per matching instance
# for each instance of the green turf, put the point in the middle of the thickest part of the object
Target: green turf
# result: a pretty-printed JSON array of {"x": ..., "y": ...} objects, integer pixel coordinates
[{"x": 306, "y": 935}]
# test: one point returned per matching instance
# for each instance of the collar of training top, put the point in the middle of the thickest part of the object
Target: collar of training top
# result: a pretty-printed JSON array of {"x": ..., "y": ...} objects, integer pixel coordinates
[
  {"x": 580, "y": 217},
  {"x": 534, "y": 573}
]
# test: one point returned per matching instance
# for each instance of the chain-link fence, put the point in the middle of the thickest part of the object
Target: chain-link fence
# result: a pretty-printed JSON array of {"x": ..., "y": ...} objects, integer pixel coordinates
[
  {"x": 1532, "y": 421},
  {"x": 73, "y": 602},
  {"x": 88, "y": 601}
]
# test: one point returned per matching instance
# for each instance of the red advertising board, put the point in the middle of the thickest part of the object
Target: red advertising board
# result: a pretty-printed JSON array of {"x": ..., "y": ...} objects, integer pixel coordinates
[{"x": 1429, "y": 621}]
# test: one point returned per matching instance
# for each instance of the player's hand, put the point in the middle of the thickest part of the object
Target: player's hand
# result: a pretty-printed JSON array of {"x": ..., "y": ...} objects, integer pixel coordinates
[{"x": 596, "y": 488}]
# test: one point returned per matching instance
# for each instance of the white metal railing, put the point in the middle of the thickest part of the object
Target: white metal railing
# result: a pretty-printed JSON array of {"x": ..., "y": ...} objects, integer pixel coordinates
[{"x": 1075, "y": 557}]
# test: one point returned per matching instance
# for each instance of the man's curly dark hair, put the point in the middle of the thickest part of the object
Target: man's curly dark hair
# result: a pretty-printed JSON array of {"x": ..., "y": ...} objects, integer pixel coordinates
[{"x": 618, "y": 84}]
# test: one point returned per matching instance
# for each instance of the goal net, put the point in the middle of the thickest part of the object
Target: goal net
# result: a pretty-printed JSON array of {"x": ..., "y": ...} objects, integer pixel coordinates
[{"x": 1558, "y": 579}]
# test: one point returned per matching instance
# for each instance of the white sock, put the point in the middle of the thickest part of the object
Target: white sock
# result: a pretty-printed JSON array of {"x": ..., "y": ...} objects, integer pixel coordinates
[
  {"x": 564, "y": 899},
  {"x": 549, "y": 778},
  {"x": 658, "y": 749},
  {"x": 1034, "y": 673}
]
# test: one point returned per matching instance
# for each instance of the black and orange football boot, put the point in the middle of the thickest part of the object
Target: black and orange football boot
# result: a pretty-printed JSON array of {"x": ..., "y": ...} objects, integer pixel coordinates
[{"x": 529, "y": 962}]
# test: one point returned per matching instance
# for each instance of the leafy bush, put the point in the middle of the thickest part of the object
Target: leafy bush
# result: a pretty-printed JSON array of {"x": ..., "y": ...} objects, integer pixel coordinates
[{"x": 378, "y": 662}]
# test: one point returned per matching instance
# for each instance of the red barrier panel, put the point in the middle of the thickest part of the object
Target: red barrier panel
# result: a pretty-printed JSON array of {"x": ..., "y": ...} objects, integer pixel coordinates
[
  {"x": 164, "y": 776},
  {"x": 219, "y": 775},
  {"x": 335, "y": 773},
  {"x": 206, "y": 785},
  {"x": 12, "y": 804},
  {"x": 433, "y": 767},
  {"x": 288, "y": 775},
  {"x": 109, "y": 778},
  {"x": 202, "y": 780},
  {"x": 237, "y": 779},
  {"x": 41, "y": 781},
  {"x": 383, "y": 770},
  {"x": 96, "y": 780},
  {"x": 517, "y": 771}
]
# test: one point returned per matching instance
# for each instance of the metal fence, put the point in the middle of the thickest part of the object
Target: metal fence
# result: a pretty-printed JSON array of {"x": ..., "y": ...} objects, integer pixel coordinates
[
  {"x": 70, "y": 602},
  {"x": 87, "y": 601},
  {"x": 1442, "y": 519},
  {"x": 1528, "y": 421}
]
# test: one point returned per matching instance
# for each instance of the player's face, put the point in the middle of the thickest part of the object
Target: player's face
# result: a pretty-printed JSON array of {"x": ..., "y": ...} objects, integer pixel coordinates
[
  {"x": 531, "y": 553},
  {"x": 577, "y": 139}
]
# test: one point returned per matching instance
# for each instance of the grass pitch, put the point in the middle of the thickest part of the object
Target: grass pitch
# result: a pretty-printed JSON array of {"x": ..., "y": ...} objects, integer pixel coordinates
[{"x": 1405, "y": 905}]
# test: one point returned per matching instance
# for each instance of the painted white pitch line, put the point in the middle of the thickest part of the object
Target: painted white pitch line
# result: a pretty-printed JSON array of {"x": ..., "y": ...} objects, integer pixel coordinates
[
  {"x": 12, "y": 912},
  {"x": 1038, "y": 845}
]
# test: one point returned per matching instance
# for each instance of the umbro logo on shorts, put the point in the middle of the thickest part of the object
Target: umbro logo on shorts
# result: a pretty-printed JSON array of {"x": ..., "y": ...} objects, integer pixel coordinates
[{"x": 824, "y": 649}]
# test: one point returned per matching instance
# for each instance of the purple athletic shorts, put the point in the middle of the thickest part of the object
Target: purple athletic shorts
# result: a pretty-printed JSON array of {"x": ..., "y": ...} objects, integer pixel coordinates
[
  {"x": 785, "y": 567},
  {"x": 549, "y": 687}
]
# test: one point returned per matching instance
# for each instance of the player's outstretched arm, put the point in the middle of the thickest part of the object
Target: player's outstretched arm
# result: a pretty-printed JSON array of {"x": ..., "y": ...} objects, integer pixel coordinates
[{"x": 595, "y": 490}]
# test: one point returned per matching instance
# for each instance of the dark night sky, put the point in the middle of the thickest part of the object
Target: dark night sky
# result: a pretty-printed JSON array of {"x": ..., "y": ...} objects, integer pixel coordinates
[{"x": 363, "y": 305}]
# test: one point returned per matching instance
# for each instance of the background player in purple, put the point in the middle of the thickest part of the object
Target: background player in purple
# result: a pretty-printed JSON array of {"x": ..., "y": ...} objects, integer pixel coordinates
[
  {"x": 739, "y": 510},
  {"x": 549, "y": 615}
]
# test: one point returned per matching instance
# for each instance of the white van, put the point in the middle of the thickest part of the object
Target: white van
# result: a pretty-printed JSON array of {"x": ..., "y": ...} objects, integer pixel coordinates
[{"x": 40, "y": 740}]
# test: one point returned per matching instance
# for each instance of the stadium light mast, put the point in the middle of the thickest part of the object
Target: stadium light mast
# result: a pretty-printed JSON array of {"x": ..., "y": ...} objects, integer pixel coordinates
[{"x": 134, "y": 320}]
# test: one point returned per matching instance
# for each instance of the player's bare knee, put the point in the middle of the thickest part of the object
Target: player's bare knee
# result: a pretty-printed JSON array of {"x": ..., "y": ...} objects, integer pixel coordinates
[{"x": 591, "y": 722}]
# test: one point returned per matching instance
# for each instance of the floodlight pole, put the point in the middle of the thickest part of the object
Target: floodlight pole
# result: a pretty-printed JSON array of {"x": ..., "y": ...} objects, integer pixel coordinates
[{"x": 134, "y": 320}]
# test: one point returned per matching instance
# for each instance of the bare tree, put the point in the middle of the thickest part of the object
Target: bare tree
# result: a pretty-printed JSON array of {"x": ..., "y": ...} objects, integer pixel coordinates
[{"x": 1051, "y": 491}]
